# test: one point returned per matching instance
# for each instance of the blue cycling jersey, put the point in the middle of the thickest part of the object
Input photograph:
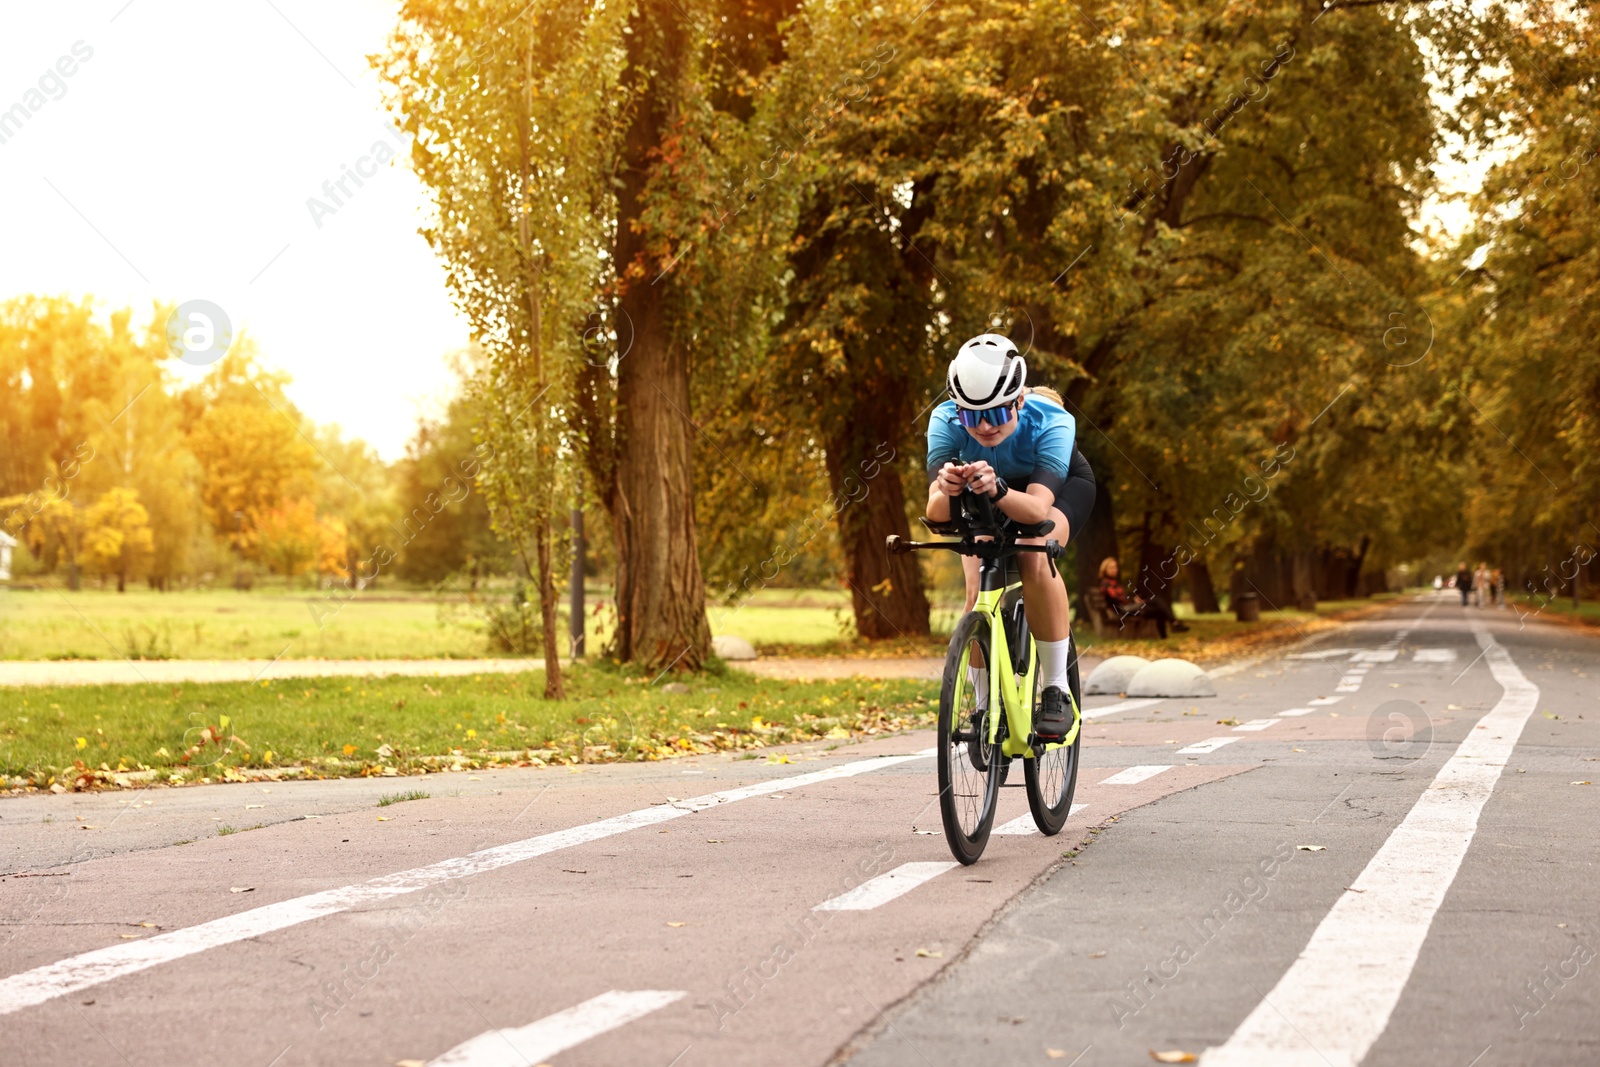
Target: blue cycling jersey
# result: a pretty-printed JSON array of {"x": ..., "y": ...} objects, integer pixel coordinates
[{"x": 1039, "y": 450}]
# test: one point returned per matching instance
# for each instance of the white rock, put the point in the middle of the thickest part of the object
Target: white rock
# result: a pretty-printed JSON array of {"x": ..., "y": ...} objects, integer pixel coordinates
[
  {"x": 727, "y": 646},
  {"x": 1171, "y": 678},
  {"x": 1113, "y": 675}
]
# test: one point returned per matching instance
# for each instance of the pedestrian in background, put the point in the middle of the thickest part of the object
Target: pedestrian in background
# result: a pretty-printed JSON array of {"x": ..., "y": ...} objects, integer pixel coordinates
[
  {"x": 1464, "y": 583},
  {"x": 1480, "y": 584},
  {"x": 1498, "y": 580}
]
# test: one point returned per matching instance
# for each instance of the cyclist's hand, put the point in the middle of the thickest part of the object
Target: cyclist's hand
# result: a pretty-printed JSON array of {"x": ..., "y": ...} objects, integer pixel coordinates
[
  {"x": 952, "y": 479},
  {"x": 981, "y": 478}
]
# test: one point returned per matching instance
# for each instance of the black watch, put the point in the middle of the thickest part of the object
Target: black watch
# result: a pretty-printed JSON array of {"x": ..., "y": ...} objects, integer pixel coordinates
[{"x": 1000, "y": 489}]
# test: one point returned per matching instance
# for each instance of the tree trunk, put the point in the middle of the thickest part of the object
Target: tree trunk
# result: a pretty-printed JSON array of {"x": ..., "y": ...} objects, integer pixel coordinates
[
  {"x": 661, "y": 597},
  {"x": 885, "y": 591},
  {"x": 553, "y": 689},
  {"x": 1202, "y": 589}
]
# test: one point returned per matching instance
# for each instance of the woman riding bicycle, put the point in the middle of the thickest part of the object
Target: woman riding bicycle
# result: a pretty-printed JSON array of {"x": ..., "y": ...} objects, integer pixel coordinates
[{"x": 1014, "y": 446}]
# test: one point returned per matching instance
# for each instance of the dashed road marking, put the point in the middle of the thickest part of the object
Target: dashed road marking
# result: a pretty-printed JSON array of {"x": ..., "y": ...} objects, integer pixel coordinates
[
  {"x": 1322, "y": 702},
  {"x": 1434, "y": 655},
  {"x": 890, "y": 885},
  {"x": 1380, "y": 655},
  {"x": 1120, "y": 706},
  {"x": 554, "y": 1034},
  {"x": 1210, "y": 744},
  {"x": 1135, "y": 775},
  {"x": 28, "y": 988},
  {"x": 1023, "y": 825},
  {"x": 1292, "y": 713},
  {"x": 1256, "y": 724}
]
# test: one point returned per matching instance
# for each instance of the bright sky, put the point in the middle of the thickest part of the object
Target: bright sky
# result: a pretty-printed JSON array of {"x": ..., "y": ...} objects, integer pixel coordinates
[{"x": 175, "y": 163}]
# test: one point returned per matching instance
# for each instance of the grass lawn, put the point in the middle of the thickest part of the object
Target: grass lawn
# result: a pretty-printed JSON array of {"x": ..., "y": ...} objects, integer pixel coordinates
[
  {"x": 381, "y": 624},
  {"x": 80, "y": 737}
]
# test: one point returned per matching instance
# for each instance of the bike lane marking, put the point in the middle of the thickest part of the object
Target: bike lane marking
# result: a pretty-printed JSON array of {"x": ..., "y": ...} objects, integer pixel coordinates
[
  {"x": 1210, "y": 744},
  {"x": 1135, "y": 775},
  {"x": 1023, "y": 824},
  {"x": 1120, "y": 706},
  {"x": 554, "y": 1034},
  {"x": 890, "y": 885},
  {"x": 30, "y": 988},
  {"x": 1335, "y": 1000}
]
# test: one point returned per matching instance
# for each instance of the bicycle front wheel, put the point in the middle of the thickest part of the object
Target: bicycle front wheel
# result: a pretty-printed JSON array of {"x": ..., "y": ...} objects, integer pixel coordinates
[
  {"x": 1052, "y": 776},
  {"x": 969, "y": 772}
]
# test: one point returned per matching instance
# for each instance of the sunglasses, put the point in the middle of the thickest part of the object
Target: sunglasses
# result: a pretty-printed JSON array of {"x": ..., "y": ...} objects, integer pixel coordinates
[{"x": 993, "y": 416}]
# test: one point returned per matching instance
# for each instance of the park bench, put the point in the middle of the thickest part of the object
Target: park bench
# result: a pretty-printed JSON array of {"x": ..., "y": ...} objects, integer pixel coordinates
[{"x": 1107, "y": 621}]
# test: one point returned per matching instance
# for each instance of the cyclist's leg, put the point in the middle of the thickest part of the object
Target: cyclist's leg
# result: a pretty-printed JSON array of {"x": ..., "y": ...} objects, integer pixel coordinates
[
  {"x": 977, "y": 671},
  {"x": 1050, "y": 620}
]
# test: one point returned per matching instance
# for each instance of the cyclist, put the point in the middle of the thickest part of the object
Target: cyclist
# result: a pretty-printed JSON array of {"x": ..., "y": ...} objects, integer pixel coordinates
[{"x": 1017, "y": 447}]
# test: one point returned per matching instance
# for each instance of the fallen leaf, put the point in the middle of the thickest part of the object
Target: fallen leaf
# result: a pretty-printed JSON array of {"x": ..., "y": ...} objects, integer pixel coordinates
[
  {"x": 1096, "y": 955},
  {"x": 1312, "y": 848},
  {"x": 1297, "y": 750},
  {"x": 247, "y": 807},
  {"x": 714, "y": 841},
  {"x": 242, "y": 889},
  {"x": 127, "y": 936},
  {"x": 1333, "y": 714},
  {"x": 82, "y": 742},
  {"x": 410, "y": 1063},
  {"x": 569, "y": 870},
  {"x": 1056, "y": 1053},
  {"x": 777, "y": 759},
  {"x": 1574, "y": 783},
  {"x": 916, "y": 831},
  {"x": 86, "y": 826},
  {"x": 147, "y": 924},
  {"x": 1347, "y": 889},
  {"x": 929, "y": 955},
  {"x": 1451, "y": 707},
  {"x": 1228, "y": 722},
  {"x": 383, "y": 818},
  {"x": 349, "y": 750},
  {"x": 677, "y": 924},
  {"x": 1173, "y": 1056}
]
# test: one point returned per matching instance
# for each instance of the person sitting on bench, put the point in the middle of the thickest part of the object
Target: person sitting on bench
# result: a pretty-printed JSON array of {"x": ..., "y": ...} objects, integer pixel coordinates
[{"x": 1123, "y": 605}]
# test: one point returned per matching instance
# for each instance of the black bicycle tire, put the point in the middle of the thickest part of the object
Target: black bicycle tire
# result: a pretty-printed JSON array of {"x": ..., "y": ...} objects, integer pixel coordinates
[{"x": 965, "y": 847}]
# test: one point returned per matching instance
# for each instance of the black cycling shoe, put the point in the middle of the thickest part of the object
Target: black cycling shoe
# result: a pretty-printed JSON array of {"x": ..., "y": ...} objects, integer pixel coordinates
[{"x": 1053, "y": 718}]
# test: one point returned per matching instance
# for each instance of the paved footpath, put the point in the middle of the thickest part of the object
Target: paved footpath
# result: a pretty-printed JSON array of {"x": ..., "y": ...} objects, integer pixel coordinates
[{"x": 715, "y": 910}]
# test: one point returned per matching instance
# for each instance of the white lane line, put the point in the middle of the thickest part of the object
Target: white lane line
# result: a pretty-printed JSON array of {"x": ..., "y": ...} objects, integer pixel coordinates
[
  {"x": 1135, "y": 775},
  {"x": 1120, "y": 706},
  {"x": 554, "y": 1034},
  {"x": 1326, "y": 653},
  {"x": 1210, "y": 744},
  {"x": 1256, "y": 724},
  {"x": 1336, "y": 999},
  {"x": 1294, "y": 713},
  {"x": 1023, "y": 824},
  {"x": 1381, "y": 655},
  {"x": 1322, "y": 702},
  {"x": 890, "y": 885},
  {"x": 87, "y": 969},
  {"x": 1434, "y": 655}
]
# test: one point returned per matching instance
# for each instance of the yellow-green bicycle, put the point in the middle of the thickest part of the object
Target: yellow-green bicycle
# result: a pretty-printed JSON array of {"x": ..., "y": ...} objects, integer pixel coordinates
[{"x": 976, "y": 746}]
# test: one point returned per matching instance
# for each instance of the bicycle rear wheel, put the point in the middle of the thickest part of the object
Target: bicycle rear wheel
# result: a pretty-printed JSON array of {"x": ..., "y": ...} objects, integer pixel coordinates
[
  {"x": 969, "y": 773},
  {"x": 1052, "y": 776}
]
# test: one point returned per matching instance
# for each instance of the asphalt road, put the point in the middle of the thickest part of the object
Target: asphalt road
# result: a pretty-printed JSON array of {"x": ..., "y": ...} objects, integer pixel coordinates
[{"x": 724, "y": 911}]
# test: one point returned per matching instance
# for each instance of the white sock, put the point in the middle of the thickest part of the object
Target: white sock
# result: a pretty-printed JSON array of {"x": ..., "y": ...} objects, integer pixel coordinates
[
  {"x": 1053, "y": 656},
  {"x": 979, "y": 677}
]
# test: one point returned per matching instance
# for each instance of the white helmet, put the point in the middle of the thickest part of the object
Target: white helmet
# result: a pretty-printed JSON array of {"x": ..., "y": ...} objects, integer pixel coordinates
[{"x": 987, "y": 372}]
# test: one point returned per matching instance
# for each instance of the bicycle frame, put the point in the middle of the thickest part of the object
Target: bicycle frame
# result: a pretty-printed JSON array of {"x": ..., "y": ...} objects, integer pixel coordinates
[{"x": 1004, "y": 691}]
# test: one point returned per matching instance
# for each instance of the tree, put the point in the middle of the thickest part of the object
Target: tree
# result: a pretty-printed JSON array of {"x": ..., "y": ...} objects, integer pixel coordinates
[
  {"x": 251, "y": 445},
  {"x": 116, "y": 536},
  {"x": 288, "y": 538}
]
